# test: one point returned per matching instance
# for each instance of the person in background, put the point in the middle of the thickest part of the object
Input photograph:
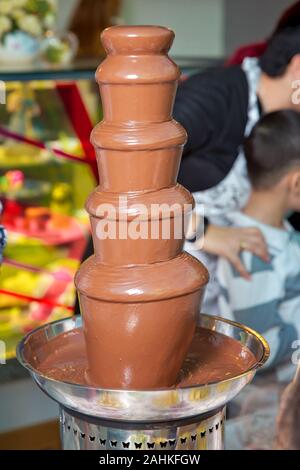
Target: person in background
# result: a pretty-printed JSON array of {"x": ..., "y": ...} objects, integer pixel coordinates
[
  {"x": 269, "y": 302},
  {"x": 218, "y": 108},
  {"x": 287, "y": 424}
]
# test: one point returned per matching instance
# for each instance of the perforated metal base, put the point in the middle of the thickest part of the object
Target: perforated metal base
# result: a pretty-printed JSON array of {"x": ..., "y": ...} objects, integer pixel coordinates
[{"x": 204, "y": 432}]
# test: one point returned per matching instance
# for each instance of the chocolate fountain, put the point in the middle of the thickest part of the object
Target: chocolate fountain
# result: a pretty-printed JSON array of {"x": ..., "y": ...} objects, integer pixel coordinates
[{"x": 136, "y": 371}]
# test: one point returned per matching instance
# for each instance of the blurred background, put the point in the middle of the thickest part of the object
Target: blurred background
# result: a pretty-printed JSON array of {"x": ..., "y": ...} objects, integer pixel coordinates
[{"x": 49, "y": 50}]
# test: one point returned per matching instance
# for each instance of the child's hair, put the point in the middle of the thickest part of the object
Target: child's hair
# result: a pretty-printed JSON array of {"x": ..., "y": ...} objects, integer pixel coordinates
[{"x": 273, "y": 148}]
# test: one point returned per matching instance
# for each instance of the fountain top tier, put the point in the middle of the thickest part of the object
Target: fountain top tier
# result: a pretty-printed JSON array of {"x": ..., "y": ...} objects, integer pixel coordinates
[
  {"x": 137, "y": 39},
  {"x": 137, "y": 83}
]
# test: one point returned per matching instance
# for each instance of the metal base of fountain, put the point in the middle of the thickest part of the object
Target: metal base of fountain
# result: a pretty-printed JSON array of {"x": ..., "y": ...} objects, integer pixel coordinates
[{"x": 202, "y": 432}]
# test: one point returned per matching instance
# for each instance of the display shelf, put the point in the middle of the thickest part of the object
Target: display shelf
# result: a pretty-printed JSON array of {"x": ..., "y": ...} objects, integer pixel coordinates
[
  {"x": 85, "y": 69},
  {"x": 77, "y": 70}
]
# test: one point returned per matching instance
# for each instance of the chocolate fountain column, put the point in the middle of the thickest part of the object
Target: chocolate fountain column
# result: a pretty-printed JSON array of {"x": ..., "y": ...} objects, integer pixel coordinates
[{"x": 139, "y": 293}]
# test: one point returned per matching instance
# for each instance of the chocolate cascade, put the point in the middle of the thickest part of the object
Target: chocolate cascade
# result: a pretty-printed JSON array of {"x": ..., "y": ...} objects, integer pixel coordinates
[{"x": 139, "y": 295}]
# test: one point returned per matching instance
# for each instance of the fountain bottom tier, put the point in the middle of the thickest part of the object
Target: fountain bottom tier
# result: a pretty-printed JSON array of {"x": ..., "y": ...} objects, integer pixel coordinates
[{"x": 190, "y": 415}]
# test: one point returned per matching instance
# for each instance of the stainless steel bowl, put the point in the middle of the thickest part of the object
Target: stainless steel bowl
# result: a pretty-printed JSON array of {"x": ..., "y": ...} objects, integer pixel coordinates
[{"x": 142, "y": 405}]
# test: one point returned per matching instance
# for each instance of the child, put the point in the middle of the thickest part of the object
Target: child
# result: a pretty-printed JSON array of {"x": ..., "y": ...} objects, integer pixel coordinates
[{"x": 269, "y": 302}]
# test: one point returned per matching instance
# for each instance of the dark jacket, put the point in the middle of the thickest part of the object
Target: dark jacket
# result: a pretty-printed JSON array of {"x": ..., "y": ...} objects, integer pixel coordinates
[{"x": 212, "y": 106}]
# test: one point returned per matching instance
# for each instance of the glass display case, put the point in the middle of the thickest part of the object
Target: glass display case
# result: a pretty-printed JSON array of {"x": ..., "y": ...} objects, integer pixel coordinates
[{"x": 47, "y": 169}]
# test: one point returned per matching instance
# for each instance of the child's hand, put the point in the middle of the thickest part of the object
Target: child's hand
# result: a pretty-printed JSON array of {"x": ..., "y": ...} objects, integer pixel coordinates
[{"x": 228, "y": 242}]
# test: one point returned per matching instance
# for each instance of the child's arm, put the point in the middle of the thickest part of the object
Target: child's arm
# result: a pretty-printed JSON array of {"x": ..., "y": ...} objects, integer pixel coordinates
[{"x": 256, "y": 303}]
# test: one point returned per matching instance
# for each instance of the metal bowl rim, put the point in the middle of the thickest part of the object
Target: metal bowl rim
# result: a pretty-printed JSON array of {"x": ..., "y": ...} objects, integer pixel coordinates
[{"x": 250, "y": 331}]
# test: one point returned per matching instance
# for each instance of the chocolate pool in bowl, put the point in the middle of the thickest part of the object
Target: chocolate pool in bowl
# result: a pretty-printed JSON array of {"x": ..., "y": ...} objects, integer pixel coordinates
[{"x": 212, "y": 357}]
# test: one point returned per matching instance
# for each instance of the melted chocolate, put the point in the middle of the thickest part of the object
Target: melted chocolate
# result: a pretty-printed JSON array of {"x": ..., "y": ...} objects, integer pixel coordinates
[
  {"x": 139, "y": 296},
  {"x": 212, "y": 357}
]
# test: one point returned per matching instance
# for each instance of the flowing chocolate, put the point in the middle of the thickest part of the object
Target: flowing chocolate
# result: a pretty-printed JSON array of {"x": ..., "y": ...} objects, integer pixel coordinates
[{"x": 139, "y": 296}]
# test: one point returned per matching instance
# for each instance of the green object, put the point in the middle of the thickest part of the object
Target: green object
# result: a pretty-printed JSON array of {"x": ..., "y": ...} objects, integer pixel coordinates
[
  {"x": 54, "y": 53},
  {"x": 41, "y": 7}
]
